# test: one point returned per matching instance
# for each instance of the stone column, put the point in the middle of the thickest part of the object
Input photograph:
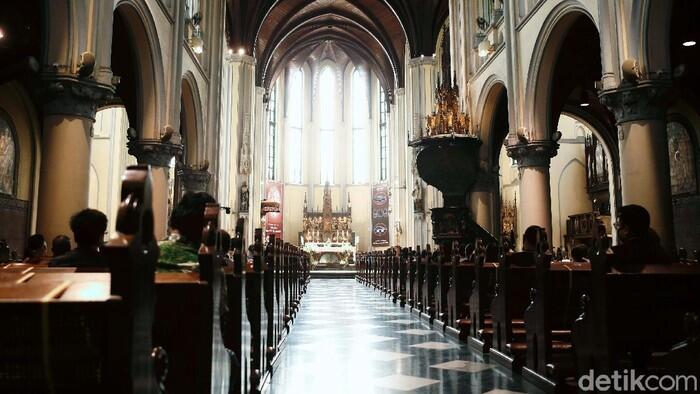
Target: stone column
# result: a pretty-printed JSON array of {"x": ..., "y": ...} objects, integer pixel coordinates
[
  {"x": 533, "y": 166},
  {"x": 640, "y": 110},
  {"x": 241, "y": 71},
  {"x": 482, "y": 200},
  {"x": 420, "y": 100},
  {"x": 69, "y": 112},
  {"x": 193, "y": 179},
  {"x": 158, "y": 155},
  {"x": 258, "y": 149}
]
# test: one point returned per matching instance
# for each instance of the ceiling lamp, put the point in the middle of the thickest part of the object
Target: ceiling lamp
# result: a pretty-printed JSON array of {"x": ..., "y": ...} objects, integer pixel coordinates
[
  {"x": 485, "y": 47},
  {"x": 689, "y": 43},
  {"x": 2, "y": 34},
  {"x": 196, "y": 42}
]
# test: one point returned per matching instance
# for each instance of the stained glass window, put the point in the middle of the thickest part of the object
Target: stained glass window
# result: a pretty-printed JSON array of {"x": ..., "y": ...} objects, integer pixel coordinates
[
  {"x": 327, "y": 94},
  {"x": 272, "y": 134},
  {"x": 360, "y": 140},
  {"x": 383, "y": 147},
  {"x": 681, "y": 159},
  {"x": 8, "y": 157},
  {"x": 295, "y": 124}
]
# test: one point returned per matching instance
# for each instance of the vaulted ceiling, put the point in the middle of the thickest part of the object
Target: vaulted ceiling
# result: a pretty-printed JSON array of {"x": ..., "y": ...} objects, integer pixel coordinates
[{"x": 374, "y": 31}]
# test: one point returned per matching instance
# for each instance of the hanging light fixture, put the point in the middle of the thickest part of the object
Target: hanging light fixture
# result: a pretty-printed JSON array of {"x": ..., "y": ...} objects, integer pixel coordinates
[
  {"x": 484, "y": 47},
  {"x": 196, "y": 42}
]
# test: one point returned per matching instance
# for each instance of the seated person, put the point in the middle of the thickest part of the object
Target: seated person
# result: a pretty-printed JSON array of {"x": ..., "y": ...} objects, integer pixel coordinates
[
  {"x": 36, "y": 250},
  {"x": 179, "y": 251},
  {"x": 60, "y": 245},
  {"x": 578, "y": 253},
  {"x": 531, "y": 238},
  {"x": 492, "y": 252},
  {"x": 88, "y": 226},
  {"x": 224, "y": 247},
  {"x": 534, "y": 237},
  {"x": 638, "y": 243}
]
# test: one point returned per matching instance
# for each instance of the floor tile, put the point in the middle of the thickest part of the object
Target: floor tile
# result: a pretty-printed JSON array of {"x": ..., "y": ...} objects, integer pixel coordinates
[
  {"x": 435, "y": 345},
  {"x": 416, "y": 331},
  {"x": 463, "y": 365},
  {"x": 403, "y": 321},
  {"x": 387, "y": 356},
  {"x": 348, "y": 338},
  {"x": 403, "y": 382}
]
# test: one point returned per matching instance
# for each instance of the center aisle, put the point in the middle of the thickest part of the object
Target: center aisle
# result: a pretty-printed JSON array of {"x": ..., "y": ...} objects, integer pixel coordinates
[{"x": 350, "y": 339}]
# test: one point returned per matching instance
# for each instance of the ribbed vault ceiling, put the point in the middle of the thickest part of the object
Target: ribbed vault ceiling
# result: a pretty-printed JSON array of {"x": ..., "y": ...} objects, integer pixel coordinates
[{"x": 374, "y": 32}]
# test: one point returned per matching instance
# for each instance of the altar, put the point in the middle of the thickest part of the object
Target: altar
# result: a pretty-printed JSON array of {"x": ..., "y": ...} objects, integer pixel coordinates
[
  {"x": 330, "y": 255},
  {"x": 328, "y": 236}
]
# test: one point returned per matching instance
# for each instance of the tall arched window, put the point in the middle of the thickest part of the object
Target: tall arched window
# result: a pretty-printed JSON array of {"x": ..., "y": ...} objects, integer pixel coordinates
[
  {"x": 681, "y": 159},
  {"x": 8, "y": 156},
  {"x": 326, "y": 101},
  {"x": 360, "y": 140},
  {"x": 272, "y": 134},
  {"x": 295, "y": 124},
  {"x": 383, "y": 146}
]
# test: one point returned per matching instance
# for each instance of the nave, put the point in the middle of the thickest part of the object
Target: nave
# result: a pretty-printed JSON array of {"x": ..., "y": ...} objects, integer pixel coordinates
[{"x": 376, "y": 346}]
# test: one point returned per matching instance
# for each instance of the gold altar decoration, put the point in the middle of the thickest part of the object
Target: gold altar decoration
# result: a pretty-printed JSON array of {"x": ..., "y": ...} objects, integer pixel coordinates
[
  {"x": 509, "y": 217},
  {"x": 447, "y": 117},
  {"x": 327, "y": 225}
]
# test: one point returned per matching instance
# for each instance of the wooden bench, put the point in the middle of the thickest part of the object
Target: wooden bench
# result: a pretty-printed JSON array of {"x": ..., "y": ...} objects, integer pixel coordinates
[
  {"x": 68, "y": 332},
  {"x": 549, "y": 319},
  {"x": 516, "y": 276},
  {"x": 627, "y": 317}
]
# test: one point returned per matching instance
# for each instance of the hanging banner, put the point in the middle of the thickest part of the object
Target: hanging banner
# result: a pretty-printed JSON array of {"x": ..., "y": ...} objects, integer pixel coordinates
[
  {"x": 274, "y": 193},
  {"x": 380, "y": 215}
]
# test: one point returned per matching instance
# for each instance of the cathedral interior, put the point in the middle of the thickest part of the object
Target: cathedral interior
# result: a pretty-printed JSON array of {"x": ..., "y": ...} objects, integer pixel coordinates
[{"x": 349, "y": 196}]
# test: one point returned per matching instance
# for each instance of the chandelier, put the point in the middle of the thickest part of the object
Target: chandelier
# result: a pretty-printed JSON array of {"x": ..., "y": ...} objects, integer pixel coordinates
[{"x": 447, "y": 117}]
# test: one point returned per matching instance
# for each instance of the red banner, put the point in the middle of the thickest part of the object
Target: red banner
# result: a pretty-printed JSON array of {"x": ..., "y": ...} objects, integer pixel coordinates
[
  {"x": 380, "y": 215},
  {"x": 274, "y": 191}
]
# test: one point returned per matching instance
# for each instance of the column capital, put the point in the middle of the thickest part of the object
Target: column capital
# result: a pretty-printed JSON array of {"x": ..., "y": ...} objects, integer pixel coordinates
[
  {"x": 153, "y": 152},
  {"x": 533, "y": 153},
  {"x": 194, "y": 179},
  {"x": 422, "y": 61},
  {"x": 646, "y": 100},
  {"x": 67, "y": 95},
  {"x": 238, "y": 58}
]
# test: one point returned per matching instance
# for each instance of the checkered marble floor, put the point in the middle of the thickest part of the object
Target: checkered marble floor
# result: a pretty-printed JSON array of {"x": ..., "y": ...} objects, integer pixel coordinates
[{"x": 349, "y": 338}]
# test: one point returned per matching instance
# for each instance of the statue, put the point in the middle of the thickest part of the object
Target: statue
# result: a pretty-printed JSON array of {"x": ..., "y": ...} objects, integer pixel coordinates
[
  {"x": 417, "y": 196},
  {"x": 243, "y": 207}
]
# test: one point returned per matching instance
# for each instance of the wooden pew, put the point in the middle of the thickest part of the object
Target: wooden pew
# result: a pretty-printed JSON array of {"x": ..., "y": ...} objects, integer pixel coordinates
[
  {"x": 639, "y": 313},
  {"x": 187, "y": 319},
  {"x": 460, "y": 285},
  {"x": 419, "y": 284},
  {"x": 69, "y": 332},
  {"x": 516, "y": 276},
  {"x": 430, "y": 283},
  {"x": 403, "y": 276},
  {"x": 393, "y": 257},
  {"x": 549, "y": 319},
  {"x": 411, "y": 271},
  {"x": 237, "y": 337},
  {"x": 480, "y": 324}
]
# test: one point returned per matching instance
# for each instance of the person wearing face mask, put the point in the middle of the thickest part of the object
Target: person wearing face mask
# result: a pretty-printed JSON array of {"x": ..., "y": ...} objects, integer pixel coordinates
[{"x": 639, "y": 244}]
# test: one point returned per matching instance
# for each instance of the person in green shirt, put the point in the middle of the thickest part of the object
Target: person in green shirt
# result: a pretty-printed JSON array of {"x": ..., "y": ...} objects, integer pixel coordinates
[{"x": 178, "y": 253}]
